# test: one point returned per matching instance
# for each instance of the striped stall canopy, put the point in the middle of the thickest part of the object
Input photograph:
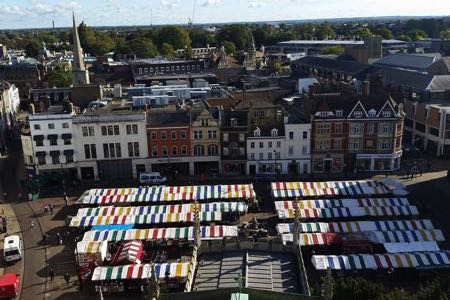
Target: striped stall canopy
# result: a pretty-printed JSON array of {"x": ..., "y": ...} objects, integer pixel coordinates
[
  {"x": 163, "y": 271},
  {"x": 89, "y": 247},
  {"x": 330, "y": 203},
  {"x": 313, "y": 239},
  {"x": 328, "y": 188},
  {"x": 168, "y": 193},
  {"x": 381, "y": 261},
  {"x": 213, "y": 232},
  {"x": 129, "y": 252},
  {"x": 381, "y": 237},
  {"x": 160, "y": 209},
  {"x": 143, "y": 219},
  {"x": 345, "y": 212}
]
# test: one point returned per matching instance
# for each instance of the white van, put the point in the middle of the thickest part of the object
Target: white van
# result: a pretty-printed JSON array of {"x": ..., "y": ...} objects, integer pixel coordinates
[
  {"x": 12, "y": 248},
  {"x": 152, "y": 178}
]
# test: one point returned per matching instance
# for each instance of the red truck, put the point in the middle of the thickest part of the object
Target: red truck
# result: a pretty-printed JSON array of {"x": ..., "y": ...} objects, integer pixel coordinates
[{"x": 9, "y": 286}]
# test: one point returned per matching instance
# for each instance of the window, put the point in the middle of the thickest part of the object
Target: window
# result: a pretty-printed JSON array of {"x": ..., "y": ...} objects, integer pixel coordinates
[
  {"x": 165, "y": 151},
  {"x": 90, "y": 151},
  {"x": 135, "y": 128},
  {"x": 51, "y": 126},
  {"x": 372, "y": 113},
  {"x": 174, "y": 151},
  {"x": 140, "y": 70},
  {"x": 257, "y": 132},
  {"x": 198, "y": 134},
  {"x": 304, "y": 150},
  {"x": 153, "y": 135},
  {"x": 199, "y": 150},
  {"x": 384, "y": 145},
  {"x": 241, "y": 137},
  {"x": 370, "y": 128},
  {"x": 269, "y": 155},
  {"x": 184, "y": 150},
  {"x": 355, "y": 128},
  {"x": 67, "y": 141},
  {"x": 118, "y": 150},
  {"x": 55, "y": 159},
  {"x": 252, "y": 156},
  {"x": 65, "y": 125},
  {"x": 116, "y": 130},
  {"x": 39, "y": 143},
  {"x": 338, "y": 144},
  {"x": 133, "y": 149},
  {"x": 69, "y": 157},
  {"x": 112, "y": 150},
  {"x": 261, "y": 145},
  {"x": 384, "y": 128},
  {"x": 291, "y": 135},
  {"x": 104, "y": 130},
  {"x": 110, "y": 130},
  {"x": 261, "y": 155},
  {"x": 252, "y": 145},
  {"x": 323, "y": 128},
  {"x": 212, "y": 134},
  {"x": 274, "y": 132},
  {"x": 233, "y": 122},
  {"x": 154, "y": 151},
  {"x": 291, "y": 150},
  {"x": 204, "y": 122},
  {"x": 339, "y": 113},
  {"x": 278, "y": 144},
  {"x": 338, "y": 128},
  {"x": 269, "y": 144},
  {"x": 37, "y": 127},
  {"x": 241, "y": 151},
  {"x": 163, "y": 135},
  {"x": 213, "y": 150},
  {"x": 53, "y": 142},
  {"x": 358, "y": 114},
  {"x": 93, "y": 151},
  {"x": 173, "y": 134},
  {"x": 41, "y": 159},
  {"x": 355, "y": 144},
  {"x": 386, "y": 114},
  {"x": 226, "y": 137},
  {"x": 305, "y": 134},
  {"x": 322, "y": 145},
  {"x": 128, "y": 128},
  {"x": 85, "y": 130},
  {"x": 112, "y": 153},
  {"x": 225, "y": 151},
  {"x": 183, "y": 134}
]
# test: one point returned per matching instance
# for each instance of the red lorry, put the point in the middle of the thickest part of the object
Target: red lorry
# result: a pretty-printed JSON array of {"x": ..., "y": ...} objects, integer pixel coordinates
[{"x": 9, "y": 286}]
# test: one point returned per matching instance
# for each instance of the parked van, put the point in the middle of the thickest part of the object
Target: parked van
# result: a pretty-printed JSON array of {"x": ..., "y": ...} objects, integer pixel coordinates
[
  {"x": 152, "y": 178},
  {"x": 9, "y": 286},
  {"x": 12, "y": 248}
]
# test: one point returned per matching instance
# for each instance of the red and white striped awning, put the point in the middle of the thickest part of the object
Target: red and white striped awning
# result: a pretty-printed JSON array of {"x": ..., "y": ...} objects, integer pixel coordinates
[{"x": 130, "y": 252}]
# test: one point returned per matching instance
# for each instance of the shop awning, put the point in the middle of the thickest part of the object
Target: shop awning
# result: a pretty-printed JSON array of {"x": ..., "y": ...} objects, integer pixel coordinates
[
  {"x": 144, "y": 219},
  {"x": 313, "y": 239},
  {"x": 52, "y": 136},
  {"x": 38, "y": 137},
  {"x": 68, "y": 152},
  {"x": 163, "y": 271},
  {"x": 130, "y": 252},
  {"x": 66, "y": 136},
  {"x": 330, "y": 203},
  {"x": 411, "y": 247},
  {"x": 357, "y": 226},
  {"x": 158, "y": 209},
  {"x": 212, "y": 232},
  {"x": 90, "y": 247},
  {"x": 381, "y": 237},
  {"x": 382, "y": 261}
]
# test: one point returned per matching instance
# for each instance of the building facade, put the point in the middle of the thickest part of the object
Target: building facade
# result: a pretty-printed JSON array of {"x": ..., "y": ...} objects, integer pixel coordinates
[
  {"x": 169, "y": 142},
  {"x": 9, "y": 104},
  {"x": 205, "y": 141},
  {"x": 111, "y": 144},
  {"x": 234, "y": 142}
]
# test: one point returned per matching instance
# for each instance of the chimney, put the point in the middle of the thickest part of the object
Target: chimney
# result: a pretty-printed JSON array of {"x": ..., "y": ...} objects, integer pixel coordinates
[
  {"x": 366, "y": 88},
  {"x": 32, "y": 109}
]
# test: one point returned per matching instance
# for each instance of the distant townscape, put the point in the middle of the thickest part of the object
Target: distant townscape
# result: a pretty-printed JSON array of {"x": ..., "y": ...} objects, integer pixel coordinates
[{"x": 283, "y": 161}]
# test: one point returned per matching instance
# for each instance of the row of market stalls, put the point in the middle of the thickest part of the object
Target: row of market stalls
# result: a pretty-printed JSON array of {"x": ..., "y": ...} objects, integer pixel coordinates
[
  {"x": 371, "y": 217},
  {"x": 127, "y": 232},
  {"x": 200, "y": 193}
]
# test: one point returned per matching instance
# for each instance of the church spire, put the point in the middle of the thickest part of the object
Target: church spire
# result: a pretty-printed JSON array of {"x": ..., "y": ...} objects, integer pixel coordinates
[{"x": 80, "y": 74}]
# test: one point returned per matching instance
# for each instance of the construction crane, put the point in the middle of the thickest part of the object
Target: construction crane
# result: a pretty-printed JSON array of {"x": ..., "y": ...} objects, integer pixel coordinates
[{"x": 191, "y": 20}]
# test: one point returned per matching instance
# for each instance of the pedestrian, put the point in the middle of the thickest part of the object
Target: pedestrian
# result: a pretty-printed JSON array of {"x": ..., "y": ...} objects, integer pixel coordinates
[
  {"x": 420, "y": 171},
  {"x": 46, "y": 209},
  {"x": 67, "y": 277},
  {"x": 50, "y": 208},
  {"x": 51, "y": 273},
  {"x": 44, "y": 238},
  {"x": 31, "y": 224},
  {"x": 5, "y": 196},
  {"x": 66, "y": 199}
]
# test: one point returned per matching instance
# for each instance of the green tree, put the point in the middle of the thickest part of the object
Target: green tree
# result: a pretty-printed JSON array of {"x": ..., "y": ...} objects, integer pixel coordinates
[
  {"x": 31, "y": 47},
  {"x": 277, "y": 66},
  {"x": 142, "y": 48},
  {"x": 167, "y": 50},
  {"x": 324, "y": 31},
  {"x": 235, "y": 33},
  {"x": 396, "y": 294},
  {"x": 177, "y": 36},
  {"x": 384, "y": 33},
  {"x": 60, "y": 76},
  {"x": 445, "y": 34},
  {"x": 230, "y": 47},
  {"x": 417, "y": 34},
  {"x": 356, "y": 288},
  {"x": 432, "y": 291},
  {"x": 200, "y": 37},
  {"x": 337, "y": 50},
  {"x": 404, "y": 37},
  {"x": 362, "y": 32}
]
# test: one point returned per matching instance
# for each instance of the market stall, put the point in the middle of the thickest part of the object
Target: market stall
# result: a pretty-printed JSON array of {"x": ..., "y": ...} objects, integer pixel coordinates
[
  {"x": 130, "y": 252},
  {"x": 212, "y": 232},
  {"x": 331, "y": 203}
]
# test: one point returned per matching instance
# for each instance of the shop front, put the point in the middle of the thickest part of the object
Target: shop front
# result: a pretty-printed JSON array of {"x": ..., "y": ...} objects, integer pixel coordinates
[{"x": 378, "y": 162}]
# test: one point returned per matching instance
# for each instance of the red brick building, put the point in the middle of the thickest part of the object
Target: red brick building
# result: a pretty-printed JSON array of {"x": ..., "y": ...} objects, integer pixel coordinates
[{"x": 169, "y": 142}]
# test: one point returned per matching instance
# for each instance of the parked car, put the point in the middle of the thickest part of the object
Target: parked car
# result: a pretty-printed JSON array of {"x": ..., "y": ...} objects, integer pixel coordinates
[
  {"x": 153, "y": 178},
  {"x": 12, "y": 248}
]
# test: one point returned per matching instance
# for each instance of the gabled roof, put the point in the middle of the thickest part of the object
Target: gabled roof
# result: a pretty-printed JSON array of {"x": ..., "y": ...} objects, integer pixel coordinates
[
  {"x": 240, "y": 116},
  {"x": 408, "y": 61},
  {"x": 415, "y": 80}
]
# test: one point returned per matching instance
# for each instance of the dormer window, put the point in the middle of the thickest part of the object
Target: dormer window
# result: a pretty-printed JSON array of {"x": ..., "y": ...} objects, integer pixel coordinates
[
  {"x": 233, "y": 122},
  {"x": 274, "y": 132},
  {"x": 358, "y": 114},
  {"x": 339, "y": 113},
  {"x": 372, "y": 113},
  {"x": 323, "y": 114},
  {"x": 257, "y": 132},
  {"x": 386, "y": 114}
]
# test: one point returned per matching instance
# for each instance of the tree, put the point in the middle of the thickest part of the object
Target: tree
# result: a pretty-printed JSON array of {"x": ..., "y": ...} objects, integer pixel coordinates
[
  {"x": 175, "y": 35},
  {"x": 362, "y": 32},
  {"x": 230, "y": 47},
  {"x": 201, "y": 38},
  {"x": 235, "y": 33},
  {"x": 32, "y": 48},
  {"x": 337, "y": 50},
  {"x": 277, "y": 66},
  {"x": 404, "y": 37},
  {"x": 384, "y": 33},
  {"x": 324, "y": 31},
  {"x": 417, "y": 34},
  {"x": 60, "y": 76},
  {"x": 167, "y": 50},
  {"x": 142, "y": 48},
  {"x": 445, "y": 34},
  {"x": 356, "y": 288},
  {"x": 396, "y": 294},
  {"x": 432, "y": 291}
]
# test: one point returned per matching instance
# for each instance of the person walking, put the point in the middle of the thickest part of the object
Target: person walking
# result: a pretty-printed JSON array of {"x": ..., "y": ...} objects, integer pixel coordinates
[
  {"x": 31, "y": 224},
  {"x": 50, "y": 208},
  {"x": 67, "y": 278},
  {"x": 51, "y": 273},
  {"x": 66, "y": 199},
  {"x": 5, "y": 196}
]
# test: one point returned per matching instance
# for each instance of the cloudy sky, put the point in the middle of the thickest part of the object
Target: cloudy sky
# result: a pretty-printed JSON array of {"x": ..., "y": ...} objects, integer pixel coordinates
[{"x": 39, "y": 13}]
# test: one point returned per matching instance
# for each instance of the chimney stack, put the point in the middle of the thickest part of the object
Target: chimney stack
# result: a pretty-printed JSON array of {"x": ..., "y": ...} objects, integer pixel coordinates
[{"x": 366, "y": 88}]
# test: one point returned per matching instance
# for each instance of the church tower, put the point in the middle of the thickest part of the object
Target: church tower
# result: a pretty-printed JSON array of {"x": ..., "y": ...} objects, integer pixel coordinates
[{"x": 80, "y": 75}]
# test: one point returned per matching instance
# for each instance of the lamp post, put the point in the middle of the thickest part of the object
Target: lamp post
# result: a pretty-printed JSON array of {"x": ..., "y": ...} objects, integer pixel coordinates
[{"x": 275, "y": 163}]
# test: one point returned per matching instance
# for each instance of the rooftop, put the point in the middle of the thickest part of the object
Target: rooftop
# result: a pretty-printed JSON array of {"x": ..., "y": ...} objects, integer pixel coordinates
[
  {"x": 112, "y": 112},
  {"x": 159, "y": 61},
  {"x": 168, "y": 118},
  {"x": 332, "y": 62},
  {"x": 408, "y": 61}
]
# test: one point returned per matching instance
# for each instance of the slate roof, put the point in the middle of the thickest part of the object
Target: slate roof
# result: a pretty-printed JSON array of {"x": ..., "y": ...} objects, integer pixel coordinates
[
  {"x": 241, "y": 117},
  {"x": 332, "y": 63},
  {"x": 168, "y": 119},
  {"x": 408, "y": 61},
  {"x": 415, "y": 80}
]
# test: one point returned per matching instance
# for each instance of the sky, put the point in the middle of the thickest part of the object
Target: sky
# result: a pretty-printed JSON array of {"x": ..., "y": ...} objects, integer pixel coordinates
[{"x": 40, "y": 13}]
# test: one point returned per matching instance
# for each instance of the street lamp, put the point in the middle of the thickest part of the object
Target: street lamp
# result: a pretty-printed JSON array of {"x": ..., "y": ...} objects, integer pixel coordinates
[{"x": 275, "y": 163}]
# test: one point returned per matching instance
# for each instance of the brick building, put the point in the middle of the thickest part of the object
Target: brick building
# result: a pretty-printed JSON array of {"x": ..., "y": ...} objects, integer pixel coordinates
[{"x": 169, "y": 142}]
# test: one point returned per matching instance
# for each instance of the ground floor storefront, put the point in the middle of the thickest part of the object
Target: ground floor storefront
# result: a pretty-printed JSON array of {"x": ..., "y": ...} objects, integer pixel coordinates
[
  {"x": 111, "y": 169},
  {"x": 378, "y": 162},
  {"x": 233, "y": 167}
]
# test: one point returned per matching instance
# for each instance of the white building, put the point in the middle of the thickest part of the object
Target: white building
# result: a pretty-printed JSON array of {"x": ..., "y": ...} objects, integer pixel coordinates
[
  {"x": 111, "y": 143},
  {"x": 282, "y": 150},
  {"x": 9, "y": 103},
  {"x": 52, "y": 140}
]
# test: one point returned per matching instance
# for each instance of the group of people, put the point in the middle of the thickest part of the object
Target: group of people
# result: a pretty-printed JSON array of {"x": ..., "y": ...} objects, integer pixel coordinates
[
  {"x": 48, "y": 208},
  {"x": 416, "y": 168}
]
